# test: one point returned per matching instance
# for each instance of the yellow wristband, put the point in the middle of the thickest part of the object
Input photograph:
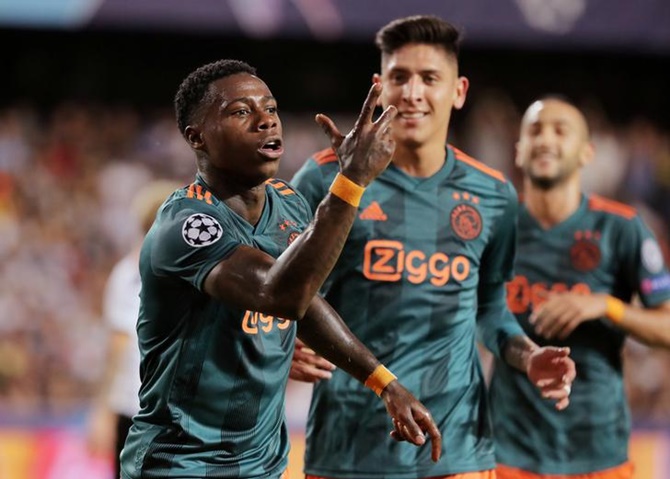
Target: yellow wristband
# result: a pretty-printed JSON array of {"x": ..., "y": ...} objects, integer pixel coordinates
[
  {"x": 347, "y": 190},
  {"x": 379, "y": 379},
  {"x": 615, "y": 309}
]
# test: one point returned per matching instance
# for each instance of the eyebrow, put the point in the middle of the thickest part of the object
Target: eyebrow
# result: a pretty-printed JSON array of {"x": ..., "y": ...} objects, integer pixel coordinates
[{"x": 247, "y": 99}]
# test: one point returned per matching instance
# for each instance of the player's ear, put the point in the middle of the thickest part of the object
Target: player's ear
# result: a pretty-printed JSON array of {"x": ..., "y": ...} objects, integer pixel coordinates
[
  {"x": 194, "y": 137},
  {"x": 377, "y": 78},
  {"x": 460, "y": 92},
  {"x": 517, "y": 157},
  {"x": 587, "y": 154}
]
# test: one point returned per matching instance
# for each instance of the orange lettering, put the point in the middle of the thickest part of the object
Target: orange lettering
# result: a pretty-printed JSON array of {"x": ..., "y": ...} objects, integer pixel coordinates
[
  {"x": 386, "y": 261},
  {"x": 417, "y": 273},
  {"x": 249, "y": 323},
  {"x": 460, "y": 268},
  {"x": 518, "y": 295},
  {"x": 521, "y": 294},
  {"x": 440, "y": 275}
]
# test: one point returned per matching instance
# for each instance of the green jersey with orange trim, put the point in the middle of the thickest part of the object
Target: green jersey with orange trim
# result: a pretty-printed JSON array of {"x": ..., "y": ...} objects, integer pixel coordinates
[
  {"x": 213, "y": 375},
  {"x": 604, "y": 247},
  {"x": 407, "y": 285}
]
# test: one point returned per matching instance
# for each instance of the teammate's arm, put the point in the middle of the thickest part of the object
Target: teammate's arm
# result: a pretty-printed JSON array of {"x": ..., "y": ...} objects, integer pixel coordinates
[
  {"x": 325, "y": 332},
  {"x": 549, "y": 368},
  {"x": 250, "y": 278},
  {"x": 563, "y": 312}
]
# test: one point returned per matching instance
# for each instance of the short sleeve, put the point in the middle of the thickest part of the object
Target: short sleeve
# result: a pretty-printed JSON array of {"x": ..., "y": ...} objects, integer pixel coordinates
[
  {"x": 642, "y": 263},
  {"x": 191, "y": 238}
]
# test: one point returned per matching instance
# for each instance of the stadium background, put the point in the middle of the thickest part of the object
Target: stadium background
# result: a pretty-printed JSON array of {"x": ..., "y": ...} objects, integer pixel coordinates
[{"x": 86, "y": 117}]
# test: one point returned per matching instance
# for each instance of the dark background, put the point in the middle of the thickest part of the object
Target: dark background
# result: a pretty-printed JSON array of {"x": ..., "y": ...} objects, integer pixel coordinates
[{"x": 45, "y": 67}]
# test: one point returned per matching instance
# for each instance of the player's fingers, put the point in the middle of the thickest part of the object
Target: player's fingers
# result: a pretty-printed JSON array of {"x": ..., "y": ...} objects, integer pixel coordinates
[
  {"x": 427, "y": 424},
  {"x": 563, "y": 403},
  {"x": 383, "y": 123},
  {"x": 330, "y": 129},
  {"x": 369, "y": 106},
  {"x": 307, "y": 356},
  {"x": 309, "y": 374}
]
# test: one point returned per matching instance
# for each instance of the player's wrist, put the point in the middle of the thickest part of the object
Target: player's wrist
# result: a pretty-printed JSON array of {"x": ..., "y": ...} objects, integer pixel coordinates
[
  {"x": 379, "y": 379},
  {"x": 614, "y": 309},
  {"x": 347, "y": 190}
]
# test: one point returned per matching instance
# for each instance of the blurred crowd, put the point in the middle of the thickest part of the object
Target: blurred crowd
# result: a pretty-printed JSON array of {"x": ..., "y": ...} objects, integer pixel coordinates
[{"x": 68, "y": 175}]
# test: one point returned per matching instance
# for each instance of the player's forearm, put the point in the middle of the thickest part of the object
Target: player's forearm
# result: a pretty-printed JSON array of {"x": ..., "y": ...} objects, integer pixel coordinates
[
  {"x": 650, "y": 326},
  {"x": 300, "y": 271},
  {"x": 518, "y": 350},
  {"x": 323, "y": 330},
  {"x": 495, "y": 323}
]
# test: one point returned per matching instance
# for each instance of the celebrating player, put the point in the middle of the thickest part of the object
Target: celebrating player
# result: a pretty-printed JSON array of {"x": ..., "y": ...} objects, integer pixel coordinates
[
  {"x": 581, "y": 260},
  {"x": 425, "y": 265},
  {"x": 230, "y": 259}
]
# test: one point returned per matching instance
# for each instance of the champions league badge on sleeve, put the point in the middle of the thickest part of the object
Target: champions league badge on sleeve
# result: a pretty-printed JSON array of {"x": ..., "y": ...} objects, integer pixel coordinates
[
  {"x": 652, "y": 257},
  {"x": 201, "y": 230}
]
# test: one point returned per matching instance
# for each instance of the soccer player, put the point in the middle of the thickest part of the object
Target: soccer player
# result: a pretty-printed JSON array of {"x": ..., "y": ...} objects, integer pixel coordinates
[
  {"x": 581, "y": 260},
  {"x": 229, "y": 261},
  {"x": 424, "y": 265}
]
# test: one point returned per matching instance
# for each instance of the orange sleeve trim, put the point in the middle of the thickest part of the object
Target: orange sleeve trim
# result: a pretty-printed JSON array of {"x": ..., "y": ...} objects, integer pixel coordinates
[
  {"x": 598, "y": 203},
  {"x": 280, "y": 186},
  {"x": 191, "y": 191},
  {"x": 478, "y": 165},
  {"x": 325, "y": 156}
]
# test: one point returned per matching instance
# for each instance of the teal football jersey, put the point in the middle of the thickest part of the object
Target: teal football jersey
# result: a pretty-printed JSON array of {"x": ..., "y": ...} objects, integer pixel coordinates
[
  {"x": 406, "y": 284},
  {"x": 604, "y": 247},
  {"x": 213, "y": 376}
]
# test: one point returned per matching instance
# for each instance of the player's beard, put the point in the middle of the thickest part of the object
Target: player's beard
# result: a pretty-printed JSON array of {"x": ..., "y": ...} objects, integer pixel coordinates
[{"x": 547, "y": 182}]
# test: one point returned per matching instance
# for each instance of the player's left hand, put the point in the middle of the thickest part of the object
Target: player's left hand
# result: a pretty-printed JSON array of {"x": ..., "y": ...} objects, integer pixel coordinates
[
  {"x": 552, "y": 370},
  {"x": 561, "y": 313},
  {"x": 411, "y": 420}
]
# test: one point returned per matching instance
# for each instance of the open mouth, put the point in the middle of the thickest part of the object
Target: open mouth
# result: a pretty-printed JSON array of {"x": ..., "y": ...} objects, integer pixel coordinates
[{"x": 272, "y": 148}]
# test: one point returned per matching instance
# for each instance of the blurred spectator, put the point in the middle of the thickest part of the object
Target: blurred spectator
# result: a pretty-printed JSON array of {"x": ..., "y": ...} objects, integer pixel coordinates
[{"x": 67, "y": 177}]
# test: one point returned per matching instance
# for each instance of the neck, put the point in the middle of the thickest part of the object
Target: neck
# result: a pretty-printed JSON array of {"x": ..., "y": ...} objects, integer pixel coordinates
[
  {"x": 421, "y": 162},
  {"x": 552, "y": 206},
  {"x": 246, "y": 201}
]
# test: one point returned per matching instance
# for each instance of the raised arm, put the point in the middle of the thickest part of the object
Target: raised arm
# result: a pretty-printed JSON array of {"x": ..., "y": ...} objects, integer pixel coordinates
[{"x": 284, "y": 287}]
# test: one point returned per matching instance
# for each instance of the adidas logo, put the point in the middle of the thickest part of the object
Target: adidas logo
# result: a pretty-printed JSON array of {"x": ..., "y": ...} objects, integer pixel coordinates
[{"x": 373, "y": 212}]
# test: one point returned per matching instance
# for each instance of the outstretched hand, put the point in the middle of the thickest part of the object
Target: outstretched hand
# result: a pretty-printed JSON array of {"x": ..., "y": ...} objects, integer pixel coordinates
[
  {"x": 411, "y": 420},
  {"x": 552, "y": 370},
  {"x": 367, "y": 149}
]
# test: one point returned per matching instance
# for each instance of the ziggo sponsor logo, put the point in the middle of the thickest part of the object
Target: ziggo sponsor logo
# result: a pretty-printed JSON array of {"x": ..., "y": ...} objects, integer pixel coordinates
[
  {"x": 386, "y": 260},
  {"x": 523, "y": 296},
  {"x": 255, "y": 322}
]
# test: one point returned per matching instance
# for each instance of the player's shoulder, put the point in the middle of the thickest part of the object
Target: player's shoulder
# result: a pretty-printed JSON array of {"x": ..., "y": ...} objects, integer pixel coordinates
[
  {"x": 476, "y": 167},
  {"x": 281, "y": 188},
  {"x": 324, "y": 161},
  {"x": 289, "y": 196},
  {"x": 613, "y": 210}
]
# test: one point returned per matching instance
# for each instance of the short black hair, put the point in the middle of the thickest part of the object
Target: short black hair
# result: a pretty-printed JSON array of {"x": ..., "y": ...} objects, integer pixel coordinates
[
  {"x": 193, "y": 89},
  {"x": 427, "y": 29}
]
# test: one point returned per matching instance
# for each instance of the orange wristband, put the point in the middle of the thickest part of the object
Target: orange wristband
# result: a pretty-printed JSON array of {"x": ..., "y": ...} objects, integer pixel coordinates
[
  {"x": 615, "y": 309},
  {"x": 379, "y": 379},
  {"x": 347, "y": 190}
]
